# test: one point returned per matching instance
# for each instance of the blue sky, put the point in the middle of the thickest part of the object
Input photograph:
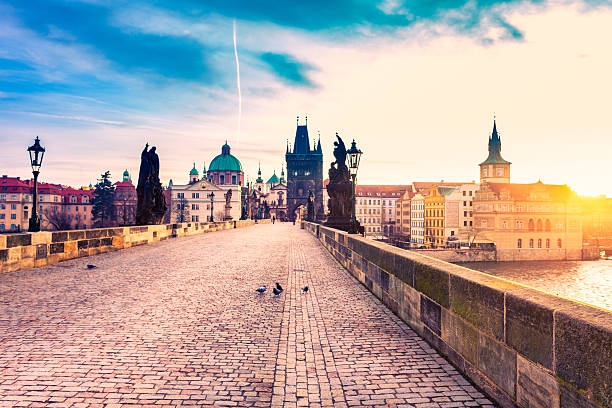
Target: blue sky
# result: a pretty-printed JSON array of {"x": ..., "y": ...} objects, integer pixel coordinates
[{"x": 96, "y": 79}]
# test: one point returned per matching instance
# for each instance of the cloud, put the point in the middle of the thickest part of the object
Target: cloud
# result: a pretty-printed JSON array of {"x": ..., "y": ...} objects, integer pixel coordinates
[{"x": 287, "y": 68}]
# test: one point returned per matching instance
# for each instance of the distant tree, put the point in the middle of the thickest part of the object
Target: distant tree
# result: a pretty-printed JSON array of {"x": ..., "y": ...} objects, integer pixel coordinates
[
  {"x": 182, "y": 210},
  {"x": 58, "y": 219},
  {"x": 102, "y": 211}
]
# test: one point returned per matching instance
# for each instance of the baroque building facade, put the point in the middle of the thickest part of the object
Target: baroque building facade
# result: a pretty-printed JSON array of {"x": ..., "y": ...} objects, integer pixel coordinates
[
  {"x": 534, "y": 221},
  {"x": 304, "y": 173}
]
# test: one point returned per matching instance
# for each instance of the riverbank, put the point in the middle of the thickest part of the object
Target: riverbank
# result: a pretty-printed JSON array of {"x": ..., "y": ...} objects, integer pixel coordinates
[{"x": 586, "y": 281}]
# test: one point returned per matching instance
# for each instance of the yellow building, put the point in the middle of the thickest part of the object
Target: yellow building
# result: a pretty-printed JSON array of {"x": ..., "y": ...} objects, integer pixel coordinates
[
  {"x": 525, "y": 221},
  {"x": 434, "y": 218}
]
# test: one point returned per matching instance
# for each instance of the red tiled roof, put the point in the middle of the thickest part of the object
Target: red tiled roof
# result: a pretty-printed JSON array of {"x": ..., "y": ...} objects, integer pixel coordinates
[
  {"x": 13, "y": 185},
  {"x": 556, "y": 192},
  {"x": 124, "y": 185},
  {"x": 425, "y": 186},
  {"x": 383, "y": 191}
]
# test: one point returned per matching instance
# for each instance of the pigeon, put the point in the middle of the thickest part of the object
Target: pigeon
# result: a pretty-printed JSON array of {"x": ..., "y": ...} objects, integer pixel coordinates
[
  {"x": 90, "y": 266},
  {"x": 279, "y": 287},
  {"x": 305, "y": 289},
  {"x": 277, "y": 291},
  {"x": 261, "y": 289}
]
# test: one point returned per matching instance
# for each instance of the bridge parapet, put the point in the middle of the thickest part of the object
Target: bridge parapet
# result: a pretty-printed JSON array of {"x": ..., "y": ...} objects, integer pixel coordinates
[
  {"x": 28, "y": 250},
  {"x": 522, "y": 346}
]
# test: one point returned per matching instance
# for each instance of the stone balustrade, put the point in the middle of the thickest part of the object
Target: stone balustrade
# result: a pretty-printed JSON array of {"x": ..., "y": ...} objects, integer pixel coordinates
[
  {"x": 522, "y": 346},
  {"x": 28, "y": 250}
]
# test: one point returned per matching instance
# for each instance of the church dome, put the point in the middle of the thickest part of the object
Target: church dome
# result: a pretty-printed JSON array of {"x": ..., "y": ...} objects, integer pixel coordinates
[
  {"x": 194, "y": 171},
  {"x": 273, "y": 179},
  {"x": 225, "y": 161}
]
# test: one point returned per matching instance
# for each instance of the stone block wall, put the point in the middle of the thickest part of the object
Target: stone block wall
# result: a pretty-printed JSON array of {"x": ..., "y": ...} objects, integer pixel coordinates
[
  {"x": 523, "y": 347},
  {"x": 460, "y": 255},
  {"x": 28, "y": 250}
]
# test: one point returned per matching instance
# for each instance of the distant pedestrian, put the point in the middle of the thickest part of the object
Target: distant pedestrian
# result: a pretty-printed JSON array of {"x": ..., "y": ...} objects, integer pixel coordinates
[{"x": 273, "y": 219}]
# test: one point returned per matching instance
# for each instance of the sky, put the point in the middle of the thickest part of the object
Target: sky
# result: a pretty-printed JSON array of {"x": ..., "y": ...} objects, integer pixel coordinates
[{"x": 416, "y": 84}]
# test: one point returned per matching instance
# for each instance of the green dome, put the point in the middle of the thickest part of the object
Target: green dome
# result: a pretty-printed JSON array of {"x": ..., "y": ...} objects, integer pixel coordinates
[
  {"x": 273, "y": 179},
  {"x": 225, "y": 161},
  {"x": 194, "y": 171}
]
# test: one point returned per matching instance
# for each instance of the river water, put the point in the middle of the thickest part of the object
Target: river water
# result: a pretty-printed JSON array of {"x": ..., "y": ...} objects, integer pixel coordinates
[{"x": 587, "y": 281}]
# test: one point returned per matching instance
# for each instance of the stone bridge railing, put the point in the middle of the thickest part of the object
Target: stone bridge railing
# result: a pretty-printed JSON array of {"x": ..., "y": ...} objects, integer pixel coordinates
[
  {"x": 522, "y": 346},
  {"x": 28, "y": 250}
]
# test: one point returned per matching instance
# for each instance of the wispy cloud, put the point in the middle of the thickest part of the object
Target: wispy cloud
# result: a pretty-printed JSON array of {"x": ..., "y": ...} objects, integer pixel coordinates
[{"x": 290, "y": 70}]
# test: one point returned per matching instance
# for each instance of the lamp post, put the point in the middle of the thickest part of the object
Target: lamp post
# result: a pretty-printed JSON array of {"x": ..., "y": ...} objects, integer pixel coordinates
[
  {"x": 36, "y": 152},
  {"x": 212, "y": 197},
  {"x": 354, "y": 155}
]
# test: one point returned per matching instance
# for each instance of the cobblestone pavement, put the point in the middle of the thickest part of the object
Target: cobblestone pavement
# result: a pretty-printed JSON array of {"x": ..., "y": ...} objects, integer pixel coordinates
[{"x": 179, "y": 323}]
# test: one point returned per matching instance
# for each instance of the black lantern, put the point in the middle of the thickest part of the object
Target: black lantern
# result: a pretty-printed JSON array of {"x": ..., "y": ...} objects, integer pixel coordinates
[
  {"x": 354, "y": 155},
  {"x": 37, "y": 152},
  {"x": 212, "y": 198}
]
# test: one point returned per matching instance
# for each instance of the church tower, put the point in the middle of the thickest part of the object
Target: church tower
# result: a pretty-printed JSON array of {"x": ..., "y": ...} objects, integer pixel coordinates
[
  {"x": 304, "y": 172},
  {"x": 495, "y": 169}
]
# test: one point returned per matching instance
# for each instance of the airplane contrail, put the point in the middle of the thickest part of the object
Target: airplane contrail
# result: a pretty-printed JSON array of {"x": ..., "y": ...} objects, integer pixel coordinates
[{"x": 238, "y": 83}]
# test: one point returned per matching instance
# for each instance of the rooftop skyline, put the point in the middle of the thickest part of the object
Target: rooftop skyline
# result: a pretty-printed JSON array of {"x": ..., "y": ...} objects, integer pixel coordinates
[{"x": 415, "y": 85}]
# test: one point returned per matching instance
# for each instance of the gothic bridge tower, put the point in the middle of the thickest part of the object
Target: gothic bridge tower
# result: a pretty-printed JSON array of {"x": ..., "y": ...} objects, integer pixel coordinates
[{"x": 304, "y": 172}]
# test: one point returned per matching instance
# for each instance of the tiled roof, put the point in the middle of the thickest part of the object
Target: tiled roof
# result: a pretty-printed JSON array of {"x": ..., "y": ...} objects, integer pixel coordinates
[
  {"x": 523, "y": 191},
  {"x": 383, "y": 191}
]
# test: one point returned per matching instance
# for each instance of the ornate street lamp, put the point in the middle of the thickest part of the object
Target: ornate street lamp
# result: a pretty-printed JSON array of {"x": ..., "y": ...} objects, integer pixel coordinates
[
  {"x": 212, "y": 198},
  {"x": 354, "y": 155},
  {"x": 37, "y": 153}
]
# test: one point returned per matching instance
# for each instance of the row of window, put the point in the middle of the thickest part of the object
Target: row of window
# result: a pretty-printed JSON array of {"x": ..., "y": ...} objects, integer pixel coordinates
[
  {"x": 13, "y": 227},
  {"x": 519, "y": 243}
]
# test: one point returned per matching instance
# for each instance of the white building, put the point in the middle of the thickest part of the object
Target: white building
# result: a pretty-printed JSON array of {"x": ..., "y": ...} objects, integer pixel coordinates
[{"x": 417, "y": 220}]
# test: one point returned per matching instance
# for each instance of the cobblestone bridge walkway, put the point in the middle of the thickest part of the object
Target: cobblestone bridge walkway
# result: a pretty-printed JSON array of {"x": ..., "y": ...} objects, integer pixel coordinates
[{"x": 179, "y": 323}]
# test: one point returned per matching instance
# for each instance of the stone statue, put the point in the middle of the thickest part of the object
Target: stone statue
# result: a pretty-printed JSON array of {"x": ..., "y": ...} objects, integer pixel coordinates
[
  {"x": 340, "y": 190},
  {"x": 228, "y": 205},
  {"x": 310, "y": 206},
  {"x": 151, "y": 205}
]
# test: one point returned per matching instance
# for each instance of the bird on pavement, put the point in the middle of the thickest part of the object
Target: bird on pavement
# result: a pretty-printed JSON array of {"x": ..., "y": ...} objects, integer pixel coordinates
[
  {"x": 279, "y": 287},
  {"x": 90, "y": 266},
  {"x": 261, "y": 289},
  {"x": 277, "y": 291},
  {"x": 305, "y": 289}
]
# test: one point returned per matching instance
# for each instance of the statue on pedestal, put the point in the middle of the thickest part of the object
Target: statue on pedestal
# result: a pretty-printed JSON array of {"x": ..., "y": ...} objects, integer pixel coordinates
[
  {"x": 310, "y": 208},
  {"x": 340, "y": 190},
  {"x": 228, "y": 205},
  {"x": 151, "y": 205}
]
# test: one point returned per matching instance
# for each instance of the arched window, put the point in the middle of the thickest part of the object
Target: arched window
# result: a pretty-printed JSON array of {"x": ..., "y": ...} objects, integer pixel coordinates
[
  {"x": 547, "y": 243},
  {"x": 539, "y": 243},
  {"x": 519, "y": 243},
  {"x": 539, "y": 227},
  {"x": 531, "y": 225},
  {"x": 531, "y": 243},
  {"x": 559, "y": 243},
  {"x": 547, "y": 226}
]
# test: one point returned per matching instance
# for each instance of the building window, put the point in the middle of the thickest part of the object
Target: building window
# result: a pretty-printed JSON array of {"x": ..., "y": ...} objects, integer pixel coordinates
[
  {"x": 470, "y": 193},
  {"x": 194, "y": 195},
  {"x": 505, "y": 224},
  {"x": 547, "y": 243},
  {"x": 484, "y": 172},
  {"x": 222, "y": 179},
  {"x": 559, "y": 243},
  {"x": 13, "y": 206},
  {"x": 539, "y": 243},
  {"x": 500, "y": 172},
  {"x": 465, "y": 223},
  {"x": 471, "y": 203},
  {"x": 234, "y": 180},
  {"x": 181, "y": 195},
  {"x": 531, "y": 243},
  {"x": 13, "y": 216},
  {"x": 531, "y": 225}
]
